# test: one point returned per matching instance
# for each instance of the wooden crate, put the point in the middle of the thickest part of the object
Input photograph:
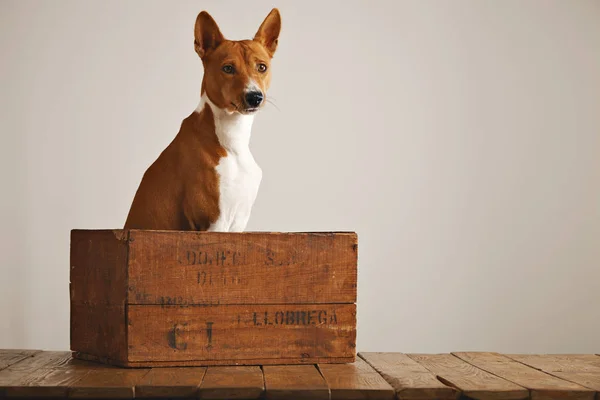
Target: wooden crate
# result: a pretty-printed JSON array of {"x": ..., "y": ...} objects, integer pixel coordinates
[{"x": 169, "y": 298}]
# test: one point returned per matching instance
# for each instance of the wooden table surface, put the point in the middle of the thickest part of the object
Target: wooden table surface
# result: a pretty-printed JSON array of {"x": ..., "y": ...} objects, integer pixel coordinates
[{"x": 51, "y": 374}]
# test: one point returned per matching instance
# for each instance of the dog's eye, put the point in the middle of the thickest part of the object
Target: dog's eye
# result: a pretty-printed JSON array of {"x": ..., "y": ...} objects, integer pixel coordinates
[
  {"x": 228, "y": 69},
  {"x": 261, "y": 67}
]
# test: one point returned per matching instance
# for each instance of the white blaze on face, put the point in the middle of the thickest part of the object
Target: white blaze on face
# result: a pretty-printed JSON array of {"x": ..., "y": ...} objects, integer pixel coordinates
[{"x": 252, "y": 86}]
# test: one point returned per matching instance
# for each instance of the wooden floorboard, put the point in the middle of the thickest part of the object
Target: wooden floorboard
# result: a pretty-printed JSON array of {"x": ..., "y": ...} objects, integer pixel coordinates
[
  {"x": 107, "y": 383},
  {"x": 10, "y": 357},
  {"x": 355, "y": 381},
  {"x": 20, "y": 374},
  {"x": 582, "y": 369},
  {"x": 295, "y": 382},
  {"x": 409, "y": 379},
  {"x": 170, "y": 382},
  {"x": 542, "y": 386},
  {"x": 384, "y": 376},
  {"x": 470, "y": 380},
  {"x": 232, "y": 383}
]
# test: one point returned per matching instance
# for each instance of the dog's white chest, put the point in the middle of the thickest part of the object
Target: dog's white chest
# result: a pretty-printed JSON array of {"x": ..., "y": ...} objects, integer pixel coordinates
[{"x": 239, "y": 179}]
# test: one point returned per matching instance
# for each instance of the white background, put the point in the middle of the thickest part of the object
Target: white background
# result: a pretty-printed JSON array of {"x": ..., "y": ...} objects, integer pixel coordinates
[{"x": 460, "y": 139}]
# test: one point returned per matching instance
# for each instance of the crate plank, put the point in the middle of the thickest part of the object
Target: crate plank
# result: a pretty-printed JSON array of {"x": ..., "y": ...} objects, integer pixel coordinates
[
  {"x": 241, "y": 333},
  {"x": 238, "y": 382},
  {"x": 99, "y": 329},
  {"x": 30, "y": 368},
  {"x": 98, "y": 273},
  {"x": 170, "y": 382},
  {"x": 294, "y": 382},
  {"x": 241, "y": 268},
  {"x": 541, "y": 385},
  {"x": 98, "y": 292},
  {"x": 410, "y": 380},
  {"x": 582, "y": 369},
  {"x": 10, "y": 357},
  {"x": 107, "y": 383},
  {"x": 355, "y": 381},
  {"x": 471, "y": 381}
]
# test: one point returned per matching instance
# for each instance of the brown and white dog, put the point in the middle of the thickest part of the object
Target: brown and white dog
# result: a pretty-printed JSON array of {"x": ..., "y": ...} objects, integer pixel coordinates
[{"x": 206, "y": 178}]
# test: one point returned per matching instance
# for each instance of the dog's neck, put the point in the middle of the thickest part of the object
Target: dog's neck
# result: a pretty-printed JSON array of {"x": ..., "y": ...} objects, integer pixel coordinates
[{"x": 232, "y": 129}]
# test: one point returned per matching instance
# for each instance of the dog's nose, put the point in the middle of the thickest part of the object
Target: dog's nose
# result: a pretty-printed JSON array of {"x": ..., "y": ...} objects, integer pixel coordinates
[{"x": 254, "y": 98}]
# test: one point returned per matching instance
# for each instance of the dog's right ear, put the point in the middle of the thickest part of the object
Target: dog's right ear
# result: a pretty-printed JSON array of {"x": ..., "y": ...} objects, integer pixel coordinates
[{"x": 207, "y": 35}]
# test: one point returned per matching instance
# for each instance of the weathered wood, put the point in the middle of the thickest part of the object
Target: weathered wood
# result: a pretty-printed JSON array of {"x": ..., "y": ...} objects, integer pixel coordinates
[
  {"x": 232, "y": 383},
  {"x": 107, "y": 383},
  {"x": 355, "y": 381},
  {"x": 241, "y": 268},
  {"x": 204, "y": 363},
  {"x": 31, "y": 368},
  {"x": 294, "y": 382},
  {"x": 120, "y": 279},
  {"x": 10, "y": 357},
  {"x": 47, "y": 383},
  {"x": 541, "y": 385},
  {"x": 240, "y": 333},
  {"x": 471, "y": 381},
  {"x": 98, "y": 292},
  {"x": 583, "y": 369},
  {"x": 99, "y": 329},
  {"x": 170, "y": 382},
  {"x": 410, "y": 380}
]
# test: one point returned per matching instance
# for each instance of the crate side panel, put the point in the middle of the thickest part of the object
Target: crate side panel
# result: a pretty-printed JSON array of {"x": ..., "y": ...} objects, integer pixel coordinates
[
  {"x": 241, "y": 332},
  {"x": 242, "y": 268},
  {"x": 99, "y": 330},
  {"x": 98, "y": 270},
  {"x": 98, "y": 292}
]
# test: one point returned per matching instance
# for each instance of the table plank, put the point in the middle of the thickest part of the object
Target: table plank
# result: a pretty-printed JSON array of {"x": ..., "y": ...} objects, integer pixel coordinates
[
  {"x": 541, "y": 385},
  {"x": 355, "y": 381},
  {"x": 583, "y": 369},
  {"x": 47, "y": 383},
  {"x": 170, "y": 382},
  {"x": 27, "y": 369},
  {"x": 10, "y": 357},
  {"x": 107, "y": 383},
  {"x": 471, "y": 381},
  {"x": 232, "y": 383},
  {"x": 409, "y": 379},
  {"x": 294, "y": 382}
]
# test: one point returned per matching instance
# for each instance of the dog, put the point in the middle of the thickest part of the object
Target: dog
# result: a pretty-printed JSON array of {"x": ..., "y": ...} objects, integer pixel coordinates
[{"x": 206, "y": 179}]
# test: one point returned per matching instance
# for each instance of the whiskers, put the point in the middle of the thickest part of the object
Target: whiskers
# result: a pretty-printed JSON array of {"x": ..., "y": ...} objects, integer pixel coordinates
[{"x": 270, "y": 101}]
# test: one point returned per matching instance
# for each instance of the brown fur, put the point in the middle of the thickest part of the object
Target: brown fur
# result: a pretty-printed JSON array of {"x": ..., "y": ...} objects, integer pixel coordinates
[{"x": 180, "y": 190}]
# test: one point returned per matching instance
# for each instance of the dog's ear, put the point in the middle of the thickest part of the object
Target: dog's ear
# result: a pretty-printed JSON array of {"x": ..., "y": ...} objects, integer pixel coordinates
[
  {"x": 268, "y": 33},
  {"x": 207, "y": 35}
]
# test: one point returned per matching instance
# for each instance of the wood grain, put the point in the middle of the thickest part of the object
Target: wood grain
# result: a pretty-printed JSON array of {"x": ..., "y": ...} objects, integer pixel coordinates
[
  {"x": 410, "y": 380},
  {"x": 241, "y": 333},
  {"x": 10, "y": 357},
  {"x": 294, "y": 382},
  {"x": 99, "y": 267},
  {"x": 355, "y": 381},
  {"x": 47, "y": 383},
  {"x": 31, "y": 368},
  {"x": 541, "y": 385},
  {"x": 107, "y": 383},
  {"x": 170, "y": 382},
  {"x": 583, "y": 369},
  {"x": 241, "y": 268},
  {"x": 204, "y": 363},
  {"x": 471, "y": 381},
  {"x": 232, "y": 383},
  {"x": 98, "y": 292}
]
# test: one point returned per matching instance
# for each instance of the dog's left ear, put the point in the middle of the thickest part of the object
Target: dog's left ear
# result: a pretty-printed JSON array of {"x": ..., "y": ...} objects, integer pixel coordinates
[{"x": 268, "y": 33}]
